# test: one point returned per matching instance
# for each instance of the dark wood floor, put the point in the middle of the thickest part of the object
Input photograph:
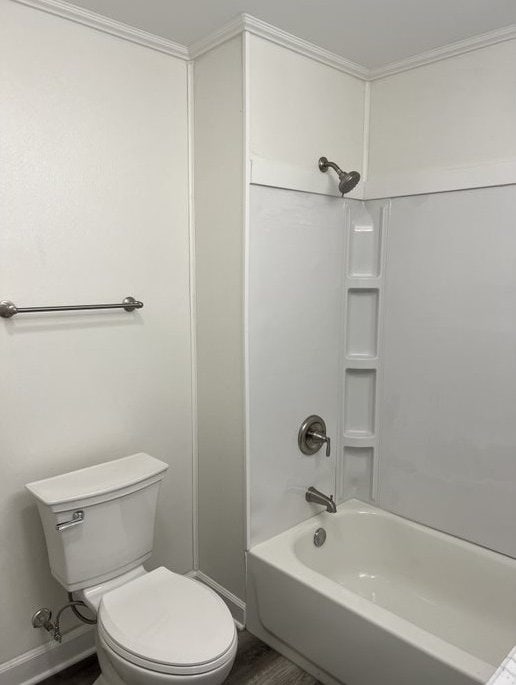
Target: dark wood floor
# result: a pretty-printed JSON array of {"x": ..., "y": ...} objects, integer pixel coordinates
[{"x": 255, "y": 664}]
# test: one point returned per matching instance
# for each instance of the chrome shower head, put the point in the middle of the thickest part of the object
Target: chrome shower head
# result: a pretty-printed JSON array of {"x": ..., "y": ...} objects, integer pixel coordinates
[{"x": 347, "y": 179}]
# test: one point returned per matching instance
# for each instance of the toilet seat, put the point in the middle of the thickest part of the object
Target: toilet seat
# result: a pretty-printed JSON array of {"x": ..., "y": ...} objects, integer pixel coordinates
[{"x": 167, "y": 623}]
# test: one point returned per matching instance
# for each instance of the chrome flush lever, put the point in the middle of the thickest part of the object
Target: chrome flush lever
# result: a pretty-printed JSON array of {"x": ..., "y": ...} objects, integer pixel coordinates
[
  {"x": 77, "y": 518},
  {"x": 312, "y": 436}
]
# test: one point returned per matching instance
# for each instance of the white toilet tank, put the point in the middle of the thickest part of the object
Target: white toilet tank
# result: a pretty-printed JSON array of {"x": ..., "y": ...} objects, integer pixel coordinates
[{"x": 111, "y": 508}]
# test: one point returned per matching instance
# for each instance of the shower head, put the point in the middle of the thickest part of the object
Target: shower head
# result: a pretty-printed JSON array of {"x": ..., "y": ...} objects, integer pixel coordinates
[{"x": 347, "y": 179}]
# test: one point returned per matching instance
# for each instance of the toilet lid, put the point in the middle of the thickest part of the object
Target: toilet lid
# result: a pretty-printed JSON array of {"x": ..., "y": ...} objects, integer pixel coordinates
[{"x": 167, "y": 623}]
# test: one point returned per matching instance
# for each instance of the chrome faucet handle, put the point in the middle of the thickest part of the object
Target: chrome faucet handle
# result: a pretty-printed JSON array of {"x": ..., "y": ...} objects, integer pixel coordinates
[
  {"x": 312, "y": 436},
  {"x": 322, "y": 437}
]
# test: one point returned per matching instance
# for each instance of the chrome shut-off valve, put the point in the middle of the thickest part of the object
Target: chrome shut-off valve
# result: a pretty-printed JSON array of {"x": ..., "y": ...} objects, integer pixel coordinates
[{"x": 312, "y": 436}]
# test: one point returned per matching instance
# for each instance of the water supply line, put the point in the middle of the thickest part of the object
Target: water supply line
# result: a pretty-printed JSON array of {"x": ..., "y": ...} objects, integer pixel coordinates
[
  {"x": 89, "y": 621},
  {"x": 57, "y": 630},
  {"x": 43, "y": 618}
]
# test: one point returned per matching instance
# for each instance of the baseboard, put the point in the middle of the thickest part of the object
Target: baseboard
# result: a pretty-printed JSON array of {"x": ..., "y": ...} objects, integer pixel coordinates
[
  {"x": 52, "y": 657},
  {"x": 235, "y": 605},
  {"x": 37, "y": 664}
]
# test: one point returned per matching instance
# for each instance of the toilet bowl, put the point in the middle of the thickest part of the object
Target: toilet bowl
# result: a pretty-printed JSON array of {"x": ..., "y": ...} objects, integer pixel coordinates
[
  {"x": 153, "y": 627},
  {"x": 116, "y": 671},
  {"x": 163, "y": 628}
]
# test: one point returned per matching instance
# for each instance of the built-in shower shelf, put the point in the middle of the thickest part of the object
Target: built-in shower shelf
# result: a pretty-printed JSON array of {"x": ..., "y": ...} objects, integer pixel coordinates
[
  {"x": 361, "y": 362},
  {"x": 362, "y": 322},
  {"x": 363, "y": 282},
  {"x": 357, "y": 475},
  {"x": 359, "y": 438}
]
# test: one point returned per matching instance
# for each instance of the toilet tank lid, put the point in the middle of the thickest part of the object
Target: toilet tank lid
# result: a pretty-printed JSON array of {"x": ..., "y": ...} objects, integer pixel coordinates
[{"x": 98, "y": 480}]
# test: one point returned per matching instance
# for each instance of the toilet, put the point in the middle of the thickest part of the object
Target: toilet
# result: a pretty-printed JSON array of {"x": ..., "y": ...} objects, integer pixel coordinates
[{"x": 153, "y": 627}]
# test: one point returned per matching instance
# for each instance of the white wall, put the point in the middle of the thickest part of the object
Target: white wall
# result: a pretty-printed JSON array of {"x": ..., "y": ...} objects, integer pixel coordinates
[
  {"x": 445, "y": 125},
  {"x": 93, "y": 207},
  {"x": 296, "y": 302},
  {"x": 219, "y": 244},
  {"x": 299, "y": 110},
  {"x": 447, "y": 429}
]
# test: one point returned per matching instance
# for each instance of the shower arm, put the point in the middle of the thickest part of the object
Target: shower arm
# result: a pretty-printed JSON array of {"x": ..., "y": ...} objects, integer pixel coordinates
[{"x": 325, "y": 164}]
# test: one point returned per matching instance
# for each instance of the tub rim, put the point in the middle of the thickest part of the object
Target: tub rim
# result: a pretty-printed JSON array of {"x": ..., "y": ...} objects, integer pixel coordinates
[{"x": 279, "y": 553}]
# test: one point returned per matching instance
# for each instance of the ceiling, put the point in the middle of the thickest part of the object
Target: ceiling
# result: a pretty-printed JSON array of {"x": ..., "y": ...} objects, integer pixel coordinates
[{"x": 370, "y": 32}]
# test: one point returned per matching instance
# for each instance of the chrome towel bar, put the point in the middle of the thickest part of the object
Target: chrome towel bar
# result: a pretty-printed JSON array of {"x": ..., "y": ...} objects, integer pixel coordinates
[{"x": 9, "y": 309}]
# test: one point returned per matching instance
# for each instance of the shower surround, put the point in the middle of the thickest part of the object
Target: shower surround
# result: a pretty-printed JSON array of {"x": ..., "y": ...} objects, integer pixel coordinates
[
  {"x": 315, "y": 284},
  {"x": 392, "y": 320}
]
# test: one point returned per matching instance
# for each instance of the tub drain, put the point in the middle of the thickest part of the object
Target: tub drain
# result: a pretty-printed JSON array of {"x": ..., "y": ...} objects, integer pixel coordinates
[{"x": 319, "y": 537}]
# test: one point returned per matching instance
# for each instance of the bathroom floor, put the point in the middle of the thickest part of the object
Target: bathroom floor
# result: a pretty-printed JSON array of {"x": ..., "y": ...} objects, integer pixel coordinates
[{"x": 256, "y": 664}]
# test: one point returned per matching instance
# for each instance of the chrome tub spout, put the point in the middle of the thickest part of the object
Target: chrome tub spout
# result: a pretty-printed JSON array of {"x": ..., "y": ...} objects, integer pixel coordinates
[{"x": 313, "y": 495}]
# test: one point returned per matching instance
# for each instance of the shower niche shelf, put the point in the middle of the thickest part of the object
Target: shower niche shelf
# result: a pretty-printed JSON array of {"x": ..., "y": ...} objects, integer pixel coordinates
[
  {"x": 359, "y": 402},
  {"x": 362, "y": 323},
  {"x": 358, "y": 463},
  {"x": 356, "y": 474},
  {"x": 364, "y": 246}
]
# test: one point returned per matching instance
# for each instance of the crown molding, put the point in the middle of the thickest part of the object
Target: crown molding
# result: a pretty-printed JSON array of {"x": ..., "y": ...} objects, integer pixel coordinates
[
  {"x": 106, "y": 25},
  {"x": 303, "y": 47},
  {"x": 216, "y": 38},
  {"x": 257, "y": 27},
  {"x": 460, "y": 47}
]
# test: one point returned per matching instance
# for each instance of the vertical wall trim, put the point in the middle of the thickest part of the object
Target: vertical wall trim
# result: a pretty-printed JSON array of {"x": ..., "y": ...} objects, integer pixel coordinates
[
  {"x": 338, "y": 453},
  {"x": 193, "y": 313},
  {"x": 367, "y": 121},
  {"x": 385, "y": 215},
  {"x": 246, "y": 227},
  {"x": 235, "y": 604}
]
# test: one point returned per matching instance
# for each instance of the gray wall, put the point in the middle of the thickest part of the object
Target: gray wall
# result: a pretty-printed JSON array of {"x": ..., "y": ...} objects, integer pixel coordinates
[
  {"x": 219, "y": 228},
  {"x": 448, "y": 405}
]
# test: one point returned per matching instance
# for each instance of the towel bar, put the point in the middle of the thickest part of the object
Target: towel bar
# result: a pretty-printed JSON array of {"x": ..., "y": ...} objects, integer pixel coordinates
[{"x": 9, "y": 309}]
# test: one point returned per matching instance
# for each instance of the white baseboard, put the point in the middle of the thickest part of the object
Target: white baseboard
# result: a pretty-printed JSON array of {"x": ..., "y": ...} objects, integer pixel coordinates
[
  {"x": 42, "y": 662},
  {"x": 235, "y": 605},
  {"x": 37, "y": 664}
]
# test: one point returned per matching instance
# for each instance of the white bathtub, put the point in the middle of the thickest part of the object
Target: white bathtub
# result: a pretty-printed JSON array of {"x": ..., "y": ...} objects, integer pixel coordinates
[{"x": 384, "y": 601}]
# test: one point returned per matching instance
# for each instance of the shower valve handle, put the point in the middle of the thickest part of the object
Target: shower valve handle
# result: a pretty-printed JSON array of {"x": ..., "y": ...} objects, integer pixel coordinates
[
  {"x": 312, "y": 436},
  {"x": 321, "y": 437}
]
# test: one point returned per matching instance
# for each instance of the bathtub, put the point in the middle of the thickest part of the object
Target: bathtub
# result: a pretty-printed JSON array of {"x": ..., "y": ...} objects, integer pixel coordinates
[{"x": 383, "y": 601}]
